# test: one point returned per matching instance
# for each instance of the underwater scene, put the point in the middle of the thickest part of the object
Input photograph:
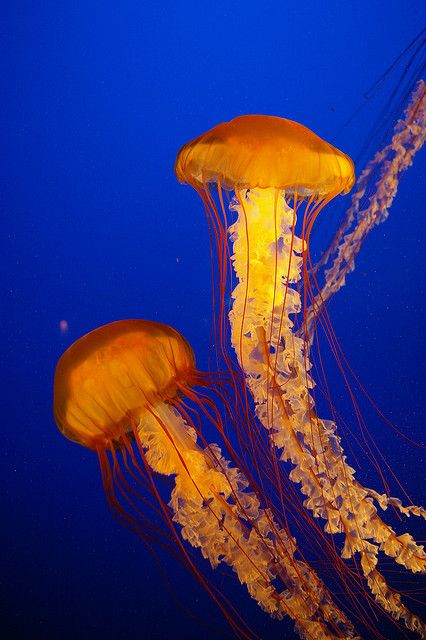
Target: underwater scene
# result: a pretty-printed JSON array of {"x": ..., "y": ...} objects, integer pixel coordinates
[{"x": 213, "y": 320}]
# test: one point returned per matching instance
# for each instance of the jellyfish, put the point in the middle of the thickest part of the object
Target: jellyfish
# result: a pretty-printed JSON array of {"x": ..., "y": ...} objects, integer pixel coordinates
[
  {"x": 123, "y": 391},
  {"x": 278, "y": 170}
]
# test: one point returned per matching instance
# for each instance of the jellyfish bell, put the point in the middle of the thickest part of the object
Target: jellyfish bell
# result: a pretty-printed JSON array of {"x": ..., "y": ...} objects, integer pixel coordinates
[
  {"x": 264, "y": 152},
  {"x": 115, "y": 375}
]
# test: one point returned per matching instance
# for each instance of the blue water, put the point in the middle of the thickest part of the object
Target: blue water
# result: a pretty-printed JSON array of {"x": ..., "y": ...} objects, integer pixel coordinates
[{"x": 97, "y": 98}]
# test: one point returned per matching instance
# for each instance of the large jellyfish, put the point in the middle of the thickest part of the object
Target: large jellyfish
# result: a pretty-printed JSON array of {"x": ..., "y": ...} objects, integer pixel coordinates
[
  {"x": 123, "y": 391},
  {"x": 278, "y": 171}
]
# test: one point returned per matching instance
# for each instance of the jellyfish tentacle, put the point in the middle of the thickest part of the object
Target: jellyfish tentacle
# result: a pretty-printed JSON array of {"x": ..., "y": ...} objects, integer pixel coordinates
[
  {"x": 283, "y": 393},
  {"x": 384, "y": 501},
  {"x": 217, "y": 512},
  {"x": 368, "y": 210},
  {"x": 389, "y": 599}
]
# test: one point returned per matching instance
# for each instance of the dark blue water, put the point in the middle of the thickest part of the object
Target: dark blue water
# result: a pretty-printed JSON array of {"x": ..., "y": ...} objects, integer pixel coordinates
[{"x": 97, "y": 98}]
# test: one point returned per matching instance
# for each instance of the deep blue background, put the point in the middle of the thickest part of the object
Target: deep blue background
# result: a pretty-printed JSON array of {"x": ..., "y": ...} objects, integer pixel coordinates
[{"x": 96, "y": 99}]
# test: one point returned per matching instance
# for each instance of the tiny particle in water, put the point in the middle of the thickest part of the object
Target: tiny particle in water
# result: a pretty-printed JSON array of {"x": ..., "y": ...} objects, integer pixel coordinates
[{"x": 63, "y": 326}]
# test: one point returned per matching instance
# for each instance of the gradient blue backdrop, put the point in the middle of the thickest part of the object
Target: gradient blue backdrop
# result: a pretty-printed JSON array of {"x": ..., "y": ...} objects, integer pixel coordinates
[{"x": 97, "y": 98}]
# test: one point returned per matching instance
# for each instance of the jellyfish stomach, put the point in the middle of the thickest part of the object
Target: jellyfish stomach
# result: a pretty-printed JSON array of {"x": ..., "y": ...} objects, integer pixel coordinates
[
  {"x": 220, "y": 515},
  {"x": 267, "y": 259}
]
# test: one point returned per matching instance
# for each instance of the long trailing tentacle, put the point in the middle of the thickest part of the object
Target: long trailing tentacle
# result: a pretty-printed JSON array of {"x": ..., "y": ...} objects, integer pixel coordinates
[{"x": 263, "y": 321}]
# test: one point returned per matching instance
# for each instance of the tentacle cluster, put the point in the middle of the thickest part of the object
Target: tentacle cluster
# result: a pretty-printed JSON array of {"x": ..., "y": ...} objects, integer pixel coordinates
[
  {"x": 277, "y": 365},
  {"x": 371, "y": 202},
  {"x": 221, "y": 516}
]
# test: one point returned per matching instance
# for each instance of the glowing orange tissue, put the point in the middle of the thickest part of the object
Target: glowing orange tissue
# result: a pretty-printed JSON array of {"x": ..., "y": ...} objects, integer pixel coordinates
[
  {"x": 118, "y": 372},
  {"x": 257, "y": 151}
]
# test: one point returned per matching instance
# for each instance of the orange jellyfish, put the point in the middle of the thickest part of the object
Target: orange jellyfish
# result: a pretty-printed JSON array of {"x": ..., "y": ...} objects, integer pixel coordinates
[
  {"x": 123, "y": 391},
  {"x": 279, "y": 171}
]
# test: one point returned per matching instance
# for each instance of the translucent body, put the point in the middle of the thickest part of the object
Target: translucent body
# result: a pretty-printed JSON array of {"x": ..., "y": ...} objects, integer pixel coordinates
[
  {"x": 115, "y": 373},
  {"x": 265, "y": 151}
]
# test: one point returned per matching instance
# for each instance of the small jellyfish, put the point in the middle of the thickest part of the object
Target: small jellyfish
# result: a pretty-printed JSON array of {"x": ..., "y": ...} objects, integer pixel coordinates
[{"x": 123, "y": 392}]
